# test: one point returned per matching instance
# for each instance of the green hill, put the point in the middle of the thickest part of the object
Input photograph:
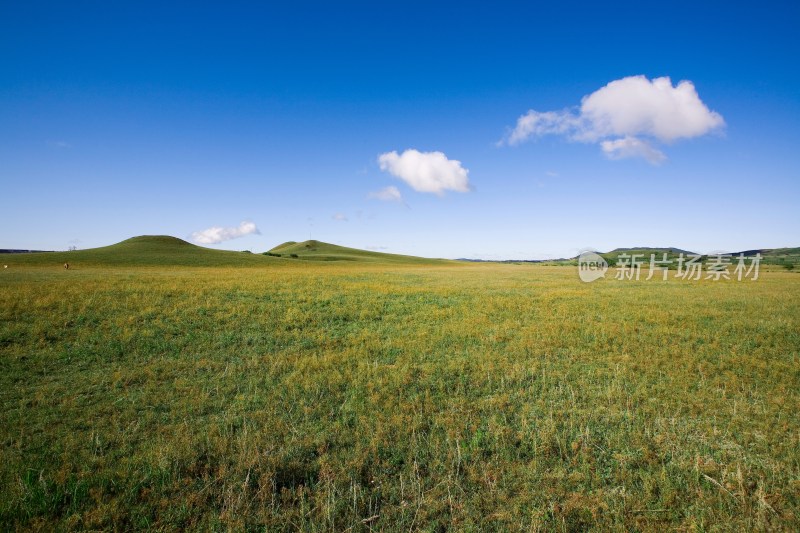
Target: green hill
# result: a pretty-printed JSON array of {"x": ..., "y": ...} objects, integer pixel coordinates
[
  {"x": 323, "y": 251},
  {"x": 284, "y": 245},
  {"x": 773, "y": 252},
  {"x": 146, "y": 250},
  {"x": 786, "y": 257},
  {"x": 162, "y": 250}
]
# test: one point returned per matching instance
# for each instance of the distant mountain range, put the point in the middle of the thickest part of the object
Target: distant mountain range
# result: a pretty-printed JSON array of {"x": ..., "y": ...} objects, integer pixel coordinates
[{"x": 7, "y": 251}]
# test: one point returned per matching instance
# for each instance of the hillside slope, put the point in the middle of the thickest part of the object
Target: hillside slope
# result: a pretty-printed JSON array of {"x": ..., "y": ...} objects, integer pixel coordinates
[{"x": 322, "y": 251}]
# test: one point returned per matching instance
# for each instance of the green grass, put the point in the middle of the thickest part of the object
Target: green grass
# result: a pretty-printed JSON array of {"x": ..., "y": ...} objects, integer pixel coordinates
[{"x": 367, "y": 395}]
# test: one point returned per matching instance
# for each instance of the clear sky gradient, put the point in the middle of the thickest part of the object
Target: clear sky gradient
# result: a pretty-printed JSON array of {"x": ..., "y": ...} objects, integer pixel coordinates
[{"x": 127, "y": 118}]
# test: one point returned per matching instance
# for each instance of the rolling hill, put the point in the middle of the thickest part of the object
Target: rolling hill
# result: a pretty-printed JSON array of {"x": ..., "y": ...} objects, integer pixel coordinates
[
  {"x": 162, "y": 250},
  {"x": 322, "y": 251},
  {"x": 145, "y": 250}
]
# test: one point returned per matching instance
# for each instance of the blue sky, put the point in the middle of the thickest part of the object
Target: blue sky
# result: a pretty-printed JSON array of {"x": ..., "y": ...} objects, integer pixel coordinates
[{"x": 121, "y": 119}]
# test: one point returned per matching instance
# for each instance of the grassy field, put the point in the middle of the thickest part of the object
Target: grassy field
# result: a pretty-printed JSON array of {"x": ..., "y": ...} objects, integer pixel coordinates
[{"x": 267, "y": 393}]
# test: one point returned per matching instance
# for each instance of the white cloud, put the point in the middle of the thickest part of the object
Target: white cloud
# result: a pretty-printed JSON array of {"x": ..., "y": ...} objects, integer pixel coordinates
[
  {"x": 632, "y": 147},
  {"x": 217, "y": 234},
  {"x": 536, "y": 124},
  {"x": 426, "y": 171},
  {"x": 341, "y": 217},
  {"x": 637, "y": 106},
  {"x": 621, "y": 113},
  {"x": 387, "y": 194}
]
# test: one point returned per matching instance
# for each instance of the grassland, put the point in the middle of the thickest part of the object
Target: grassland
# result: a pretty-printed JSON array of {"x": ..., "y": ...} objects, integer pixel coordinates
[{"x": 279, "y": 394}]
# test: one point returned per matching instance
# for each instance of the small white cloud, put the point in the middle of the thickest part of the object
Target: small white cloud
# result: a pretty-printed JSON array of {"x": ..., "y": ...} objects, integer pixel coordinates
[
  {"x": 632, "y": 147},
  {"x": 59, "y": 144},
  {"x": 217, "y": 234},
  {"x": 536, "y": 124},
  {"x": 426, "y": 171},
  {"x": 387, "y": 194},
  {"x": 622, "y": 113},
  {"x": 552, "y": 173},
  {"x": 341, "y": 217}
]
